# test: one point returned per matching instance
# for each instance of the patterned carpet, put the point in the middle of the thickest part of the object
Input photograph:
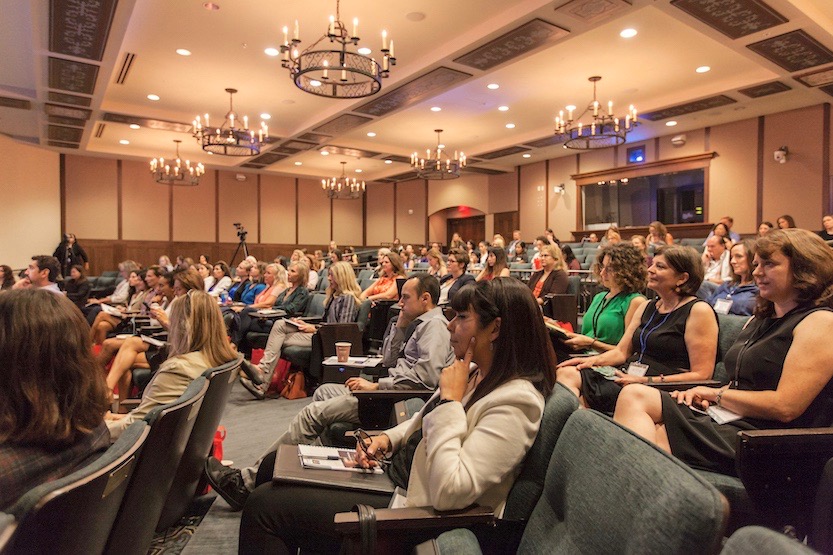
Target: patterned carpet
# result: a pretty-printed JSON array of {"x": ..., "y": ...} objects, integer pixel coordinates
[{"x": 174, "y": 539}]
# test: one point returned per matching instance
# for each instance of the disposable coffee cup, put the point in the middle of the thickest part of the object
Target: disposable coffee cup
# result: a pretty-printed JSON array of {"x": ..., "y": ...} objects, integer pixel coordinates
[{"x": 343, "y": 350}]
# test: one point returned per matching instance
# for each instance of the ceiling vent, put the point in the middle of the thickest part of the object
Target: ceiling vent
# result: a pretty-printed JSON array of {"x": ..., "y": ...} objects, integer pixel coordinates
[{"x": 125, "y": 68}]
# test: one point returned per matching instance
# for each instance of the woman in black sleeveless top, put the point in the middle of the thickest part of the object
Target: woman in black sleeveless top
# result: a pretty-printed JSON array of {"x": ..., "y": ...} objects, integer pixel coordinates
[
  {"x": 673, "y": 338},
  {"x": 787, "y": 338}
]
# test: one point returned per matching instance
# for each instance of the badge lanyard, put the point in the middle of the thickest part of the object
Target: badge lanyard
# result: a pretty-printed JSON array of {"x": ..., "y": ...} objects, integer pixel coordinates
[
  {"x": 643, "y": 337},
  {"x": 605, "y": 303}
]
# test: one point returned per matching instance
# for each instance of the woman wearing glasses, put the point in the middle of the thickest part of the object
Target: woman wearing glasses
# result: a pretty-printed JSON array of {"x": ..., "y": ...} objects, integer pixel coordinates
[
  {"x": 456, "y": 277},
  {"x": 465, "y": 446},
  {"x": 552, "y": 277}
]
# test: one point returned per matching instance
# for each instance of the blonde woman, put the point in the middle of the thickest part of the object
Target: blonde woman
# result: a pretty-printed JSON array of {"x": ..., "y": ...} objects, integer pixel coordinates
[
  {"x": 658, "y": 235},
  {"x": 197, "y": 342},
  {"x": 384, "y": 288},
  {"x": 436, "y": 264},
  {"x": 552, "y": 277},
  {"x": 341, "y": 306}
]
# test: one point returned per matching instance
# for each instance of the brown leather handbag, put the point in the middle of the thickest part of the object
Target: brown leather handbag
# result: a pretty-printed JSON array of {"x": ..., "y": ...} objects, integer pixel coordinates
[{"x": 294, "y": 387}]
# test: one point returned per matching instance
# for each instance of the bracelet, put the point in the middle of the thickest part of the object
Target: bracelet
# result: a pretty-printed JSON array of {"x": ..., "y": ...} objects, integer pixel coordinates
[
  {"x": 719, "y": 397},
  {"x": 650, "y": 379},
  {"x": 592, "y": 343}
]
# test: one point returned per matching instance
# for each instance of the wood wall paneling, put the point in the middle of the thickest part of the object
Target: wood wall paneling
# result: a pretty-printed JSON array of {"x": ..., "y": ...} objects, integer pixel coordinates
[
  {"x": 277, "y": 209},
  {"x": 92, "y": 199},
  {"x": 194, "y": 210},
  {"x": 237, "y": 204},
  {"x": 145, "y": 204},
  {"x": 313, "y": 214}
]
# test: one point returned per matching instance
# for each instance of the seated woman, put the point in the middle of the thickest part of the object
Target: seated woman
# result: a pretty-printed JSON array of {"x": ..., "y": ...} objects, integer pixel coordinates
[
  {"x": 6, "y": 277},
  {"x": 119, "y": 295},
  {"x": 621, "y": 270},
  {"x": 672, "y": 338},
  {"x": 241, "y": 281},
  {"x": 786, "y": 222},
  {"x": 740, "y": 295},
  {"x": 552, "y": 278},
  {"x": 384, "y": 288},
  {"x": 77, "y": 288},
  {"x": 341, "y": 306},
  {"x": 268, "y": 287},
  {"x": 292, "y": 300},
  {"x": 436, "y": 264},
  {"x": 638, "y": 241},
  {"x": 765, "y": 228},
  {"x": 204, "y": 270},
  {"x": 52, "y": 394},
  {"x": 520, "y": 253},
  {"x": 780, "y": 365},
  {"x": 465, "y": 446},
  {"x": 658, "y": 236},
  {"x": 540, "y": 241},
  {"x": 495, "y": 265},
  {"x": 134, "y": 351},
  {"x": 456, "y": 276},
  {"x": 721, "y": 230},
  {"x": 105, "y": 323},
  {"x": 573, "y": 265},
  {"x": 349, "y": 255},
  {"x": 197, "y": 342},
  {"x": 312, "y": 276},
  {"x": 222, "y": 279}
]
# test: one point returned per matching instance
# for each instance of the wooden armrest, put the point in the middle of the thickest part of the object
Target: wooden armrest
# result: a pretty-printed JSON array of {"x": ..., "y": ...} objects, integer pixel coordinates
[
  {"x": 787, "y": 439},
  {"x": 413, "y": 518},
  {"x": 682, "y": 386}
]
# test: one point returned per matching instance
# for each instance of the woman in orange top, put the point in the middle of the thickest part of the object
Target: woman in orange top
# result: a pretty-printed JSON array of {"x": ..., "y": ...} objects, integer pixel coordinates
[
  {"x": 552, "y": 278},
  {"x": 384, "y": 288},
  {"x": 495, "y": 265}
]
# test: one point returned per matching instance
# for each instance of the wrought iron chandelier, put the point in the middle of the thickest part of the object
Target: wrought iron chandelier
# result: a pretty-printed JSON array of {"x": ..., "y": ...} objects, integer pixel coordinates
[
  {"x": 343, "y": 187},
  {"x": 438, "y": 164},
  {"x": 337, "y": 72},
  {"x": 174, "y": 172},
  {"x": 229, "y": 139},
  {"x": 602, "y": 131}
]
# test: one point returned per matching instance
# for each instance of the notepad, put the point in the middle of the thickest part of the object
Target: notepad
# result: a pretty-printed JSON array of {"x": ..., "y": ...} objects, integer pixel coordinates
[{"x": 332, "y": 458}]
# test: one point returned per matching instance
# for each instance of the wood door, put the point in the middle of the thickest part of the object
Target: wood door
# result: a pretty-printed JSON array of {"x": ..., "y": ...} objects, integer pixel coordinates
[{"x": 470, "y": 229}]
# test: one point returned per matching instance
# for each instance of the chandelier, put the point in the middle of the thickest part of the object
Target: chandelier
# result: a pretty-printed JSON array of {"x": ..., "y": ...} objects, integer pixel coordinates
[
  {"x": 174, "y": 172},
  {"x": 437, "y": 164},
  {"x": 343, "y": 187},
  {"x": 604, "y": 130},
  {"x": 337, "y": 72},
  {"x": 229, "y": 139}
]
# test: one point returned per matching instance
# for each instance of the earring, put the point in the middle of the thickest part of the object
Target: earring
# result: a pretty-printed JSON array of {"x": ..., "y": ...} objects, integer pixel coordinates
[
  {"x": 492, "y": 346},
  {"x": 677, "y": 289}
]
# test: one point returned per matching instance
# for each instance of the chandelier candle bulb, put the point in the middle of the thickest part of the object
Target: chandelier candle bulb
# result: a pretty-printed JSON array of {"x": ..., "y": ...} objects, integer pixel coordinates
[
  {"x": 326, "y": 65},
  {"x": 356, "y": 28},
  {"x": 391, "y": 49},
  {"x": 595, "y": 108},
  {"x": 297, "y": 30},
  {"x": 246, "y": 122},
  {"x": 332, "y": 28},
  {"x": 610, "y": 107},
  {"x": 384, "y": 41}
]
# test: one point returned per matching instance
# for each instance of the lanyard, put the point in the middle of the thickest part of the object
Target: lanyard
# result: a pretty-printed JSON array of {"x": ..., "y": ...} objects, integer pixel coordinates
[
  {"x": 595, "y": 320},
  {"x": 643, "y": 337}
]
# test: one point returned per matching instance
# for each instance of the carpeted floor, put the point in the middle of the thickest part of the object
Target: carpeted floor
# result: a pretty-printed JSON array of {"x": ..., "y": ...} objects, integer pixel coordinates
[{"x": 251, "y": 427}]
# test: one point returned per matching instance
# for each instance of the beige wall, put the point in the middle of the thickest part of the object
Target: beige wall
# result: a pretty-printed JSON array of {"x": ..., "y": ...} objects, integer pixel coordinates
[
  {"x": 379, "y": 213},
  {"x": 146, "y": 204},
  {"x": 347, "y": 221},
  {"x": 277, "y": 208},
  {"x": 194, "y": 208},
  {"x": 30, "y": 189},
  {"x": 411, "y": 212},
  {"x": 562, "y": 208},
  {"x": 533, "y": 202},
  {"x": 92, "y": 197},
  {"x": 237, "y": 204},
  {"x": 733, "y": 181},
  {"x": 313, "y": 214}
]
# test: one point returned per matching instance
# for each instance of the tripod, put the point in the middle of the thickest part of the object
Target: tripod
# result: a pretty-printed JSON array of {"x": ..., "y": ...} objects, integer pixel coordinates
[{"x": 241, "y": 244}]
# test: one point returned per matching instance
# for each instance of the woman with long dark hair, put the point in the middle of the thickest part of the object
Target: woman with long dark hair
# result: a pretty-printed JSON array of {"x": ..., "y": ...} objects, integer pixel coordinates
[
  {"x": 6, "y": 277},
  {"x": 470, "y": 438},
  {"x": 69, "y": 253},
  {"x": 496, "y": 265},
  {"x": 77, "y": 287}
]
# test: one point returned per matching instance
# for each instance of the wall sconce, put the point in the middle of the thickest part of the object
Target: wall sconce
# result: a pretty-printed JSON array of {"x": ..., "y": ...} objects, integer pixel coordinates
[
  {"x": 781, "y": 154},
  {"x": 559, "y": 189}
]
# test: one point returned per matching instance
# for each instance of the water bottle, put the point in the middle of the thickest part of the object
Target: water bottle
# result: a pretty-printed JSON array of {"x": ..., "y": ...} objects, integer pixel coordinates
[{"x": 223, "y": 297}]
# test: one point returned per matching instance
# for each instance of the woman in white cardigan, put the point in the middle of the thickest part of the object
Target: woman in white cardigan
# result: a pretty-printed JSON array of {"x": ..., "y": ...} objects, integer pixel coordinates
[{"x": 470, "y": 438}]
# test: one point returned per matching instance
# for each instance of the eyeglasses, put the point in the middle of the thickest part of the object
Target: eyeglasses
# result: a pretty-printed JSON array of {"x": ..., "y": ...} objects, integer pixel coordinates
[{"x": 363, "y": 439}]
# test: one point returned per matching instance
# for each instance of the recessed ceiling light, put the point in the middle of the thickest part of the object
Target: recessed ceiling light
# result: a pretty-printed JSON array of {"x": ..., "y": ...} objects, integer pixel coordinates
[
  {"x": 264, "y": 115},
  {"x": 364, "y": 51},
  {"x": 510, "y": 126},
  {"x": 440, "y": 145},
  {"x": 628, "y": 33},
  {"x": 436, "y": 109},
  {"x": 325, "y": 153},
  {"x": 503, "y": 108},
  {"x": 671, "y": 123},
  {"x": 211, "y": 6},
  {"x": 703, "y": 69},
  {"x": 135, "y": 126},
  {"x": 210, "y": 153},
  {"x": 183, "y": 52},
  {"x": 371, "y": 134},
  {"x": 415, "y": 16},
  {"x": 358, "y": 171},
  {"x": 388, "y": 161},
  {"x": 299, "y": 163},
  {"x": 493, "y": 86},
  {"x": 124, "y": 142},
  {"x": 272, "y": 51},
  {"x": 153, "y": 97},
  {"x": 527, "y": 156},
  {"x": 315, "y": 82}
]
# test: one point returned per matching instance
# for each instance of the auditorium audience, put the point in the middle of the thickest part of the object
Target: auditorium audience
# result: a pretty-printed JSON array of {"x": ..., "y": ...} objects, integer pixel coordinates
[
  {"x": 728, "y": 222},
  {"x": 119, "y": 295},
  {"x": 780, "y": 366},
  {"x": 826, "y": 232},
  {"x": 197, "y": 342},
  {"x": 436, "y": 264},
  {"x": 204, "y": 260},
  {"x": 739, "y": 295},
  {"x": 204, "y": 271},
  {"x": 105, "y": 323},
  {"x": 786, "y": 222},
  {"x": 6, "y": 277},
  {"x": 494, "y": 409},
  {"x": 222, "y": 279},
  {"x": 518, "y": 253},
  {"x": 671, "y": 338},
  {"x": 483, "y": 249},
  {"x": 495, "y": 266},
  {"x": 77, "y": 287},
  {"x": 165, "y": 263},
  {"x": 621, "y": 270},
  {"x": 658, "y": 236},
  {"x": 716, "y": 261},
  {"x": 42, "y": 273},
  {"x": 456, "y": 242},
  {"x": 551, "y": 279},
  {"x": 573, "y": 265},
  {"x": 384, "y": 288},
  {"x": 69, "y": 253},
  {"x": 341, "y": 305},
  {"x": 312, "y": 275},
  {"x": 638, "y": 241},
  {"x": 52, "y": 394},
  {"x": 540, "y": 241},
  {"x": 456, "y": 277},
  {"x": 721, "y": 230},
  {"x": 511, "y": 248},
  {"x": 242, "y": 282},
  {"x": 765, "y": 228}
]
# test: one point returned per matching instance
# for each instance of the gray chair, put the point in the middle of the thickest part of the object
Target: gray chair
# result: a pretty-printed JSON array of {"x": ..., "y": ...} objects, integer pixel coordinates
[
  {"x": 365, "y": 274},
  {"x": 7, "y": 527},
  {"x": 323, "y": 283},
  {"x": 301, "y": 356},
  {"x": 729, "y": 327},
  {"x": 200, "y": 442},
  {"x": 609, "y": 491},
  {"x": 757, "y": 540},
  {"x": 74, "y": 515},
  {"x": 170, "y": 427}
]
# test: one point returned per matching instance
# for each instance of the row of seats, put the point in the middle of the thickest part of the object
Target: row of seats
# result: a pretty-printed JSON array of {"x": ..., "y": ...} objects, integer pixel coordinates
[{"x": 142, "y": 484}]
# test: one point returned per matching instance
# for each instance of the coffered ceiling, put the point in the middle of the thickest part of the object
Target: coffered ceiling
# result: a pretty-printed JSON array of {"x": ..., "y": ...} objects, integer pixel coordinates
[{"x": 75, "y": 74}]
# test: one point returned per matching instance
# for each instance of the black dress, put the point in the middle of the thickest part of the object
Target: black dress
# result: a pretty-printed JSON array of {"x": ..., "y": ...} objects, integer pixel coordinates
[
  {"x": 754, "y": 363},
  {"x": 659, "y": 342}
]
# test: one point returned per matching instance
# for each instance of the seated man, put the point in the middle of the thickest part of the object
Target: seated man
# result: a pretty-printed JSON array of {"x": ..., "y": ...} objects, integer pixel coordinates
[
  {"x": 417, "y": 346},
  {"x": 716, "y": 265}
]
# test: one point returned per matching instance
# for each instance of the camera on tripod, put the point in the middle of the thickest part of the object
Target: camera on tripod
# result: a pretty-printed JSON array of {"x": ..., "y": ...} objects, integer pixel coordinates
[{"x": 241, "y": 231}]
